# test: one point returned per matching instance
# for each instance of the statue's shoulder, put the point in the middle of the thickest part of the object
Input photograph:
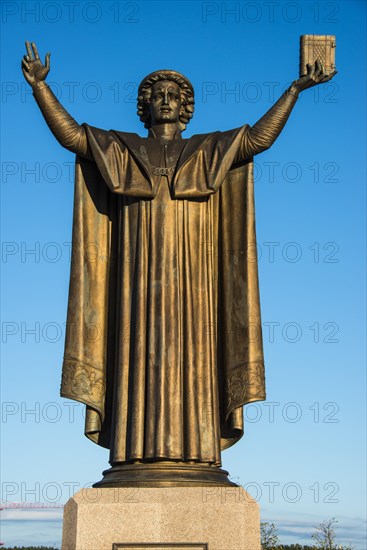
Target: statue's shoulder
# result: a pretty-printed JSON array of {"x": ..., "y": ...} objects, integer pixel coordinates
[
  {"x": 218, "y": 134},
  {"x": 217, "y": 138},
  {"x": 130, "y": 140},
  {"x": 100, "y": 133},
  {"x": 198, "y": 140},
  {"x": 126, "y": 136}
]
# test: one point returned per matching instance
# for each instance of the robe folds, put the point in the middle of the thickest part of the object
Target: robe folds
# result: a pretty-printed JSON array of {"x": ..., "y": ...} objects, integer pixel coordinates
[{"x": 163, "y": 340}]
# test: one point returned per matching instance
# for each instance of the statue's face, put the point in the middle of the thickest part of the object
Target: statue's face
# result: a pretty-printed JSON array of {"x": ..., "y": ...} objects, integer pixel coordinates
[{"x": 165, "y": 102}]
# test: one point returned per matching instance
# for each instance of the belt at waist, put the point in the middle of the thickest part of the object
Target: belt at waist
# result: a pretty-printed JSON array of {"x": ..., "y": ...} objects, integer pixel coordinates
[{"x": 164, "y": 171}]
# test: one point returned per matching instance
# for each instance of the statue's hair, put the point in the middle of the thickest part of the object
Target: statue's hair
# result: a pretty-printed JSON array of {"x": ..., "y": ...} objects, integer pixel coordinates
[{"x": 187, "y": 95}]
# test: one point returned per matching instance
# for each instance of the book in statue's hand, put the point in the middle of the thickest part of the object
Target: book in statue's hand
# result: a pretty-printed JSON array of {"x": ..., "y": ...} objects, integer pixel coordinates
[{"x": 316, "y": 46}]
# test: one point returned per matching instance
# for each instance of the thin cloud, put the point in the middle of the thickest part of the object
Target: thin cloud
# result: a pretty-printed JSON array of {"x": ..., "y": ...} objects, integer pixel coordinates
[{"x": 32, "y": 514}]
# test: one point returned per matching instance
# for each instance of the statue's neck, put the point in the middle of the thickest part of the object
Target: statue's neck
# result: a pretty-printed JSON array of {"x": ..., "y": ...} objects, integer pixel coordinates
[{"x": 165, "y": 132}]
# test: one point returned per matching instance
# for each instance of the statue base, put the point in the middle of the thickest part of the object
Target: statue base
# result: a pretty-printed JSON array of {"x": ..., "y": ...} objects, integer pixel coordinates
[
  {"x": 165, "y": 518},
  {"x": 163, "y": 474}
]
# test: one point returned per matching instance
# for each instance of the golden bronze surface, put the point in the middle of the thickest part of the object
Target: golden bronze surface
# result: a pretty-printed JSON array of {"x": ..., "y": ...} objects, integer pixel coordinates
[
  {"x": 321, "y": 47},
  {"x": 164, "y": 340},
  {"x": 160, "y": 546}
]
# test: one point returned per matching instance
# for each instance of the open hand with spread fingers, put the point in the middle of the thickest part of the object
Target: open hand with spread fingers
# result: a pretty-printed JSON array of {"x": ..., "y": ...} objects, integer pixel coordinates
[{"x": 33, "y": 69}]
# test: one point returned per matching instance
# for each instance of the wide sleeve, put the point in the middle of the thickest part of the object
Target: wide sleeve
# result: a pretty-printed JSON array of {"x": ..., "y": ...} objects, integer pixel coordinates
[
  {"x": 122, "y": 173},
  {"x": 205, "y": 162},
  {"x": 66, "y": 130},
  {"x": 262, "y": 135}
]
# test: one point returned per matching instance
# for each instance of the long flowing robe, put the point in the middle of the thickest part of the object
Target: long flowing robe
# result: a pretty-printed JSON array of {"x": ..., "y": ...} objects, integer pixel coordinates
[{"x": 164, "y": 333}]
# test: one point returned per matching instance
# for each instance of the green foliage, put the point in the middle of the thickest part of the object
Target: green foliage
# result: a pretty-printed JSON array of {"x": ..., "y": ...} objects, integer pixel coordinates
[
  {"x": 269, "y": 536},
  {"x": 324, "y": 536}
]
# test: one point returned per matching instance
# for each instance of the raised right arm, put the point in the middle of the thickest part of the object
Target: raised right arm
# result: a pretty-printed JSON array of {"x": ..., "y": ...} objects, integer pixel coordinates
[{"x": 65, "y": 129}]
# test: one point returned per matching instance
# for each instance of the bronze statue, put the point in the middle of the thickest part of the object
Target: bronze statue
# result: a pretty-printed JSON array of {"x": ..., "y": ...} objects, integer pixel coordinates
[{"x": 164, "y": 333}]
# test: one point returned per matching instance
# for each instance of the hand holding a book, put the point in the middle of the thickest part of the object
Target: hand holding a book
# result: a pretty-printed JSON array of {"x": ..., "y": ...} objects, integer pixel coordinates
[{"x": 315, "y": 75}]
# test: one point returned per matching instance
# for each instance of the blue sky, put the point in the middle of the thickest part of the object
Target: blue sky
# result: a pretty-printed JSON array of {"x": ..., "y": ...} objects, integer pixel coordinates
[{"x": 303, "y": 453}]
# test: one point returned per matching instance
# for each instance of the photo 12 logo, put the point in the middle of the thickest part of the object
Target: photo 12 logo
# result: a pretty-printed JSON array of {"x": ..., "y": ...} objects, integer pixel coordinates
[
  {"x": 70, "y": 12},
  {"x": 269, "y": 12}
]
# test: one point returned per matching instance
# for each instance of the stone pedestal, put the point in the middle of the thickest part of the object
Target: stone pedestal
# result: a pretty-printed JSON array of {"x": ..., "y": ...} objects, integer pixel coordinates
[{"x": 165, "y": 518}]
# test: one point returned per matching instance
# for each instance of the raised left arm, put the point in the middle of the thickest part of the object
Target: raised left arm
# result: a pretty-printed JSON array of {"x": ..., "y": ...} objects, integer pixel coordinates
[{"x": 262, "y": 135}]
